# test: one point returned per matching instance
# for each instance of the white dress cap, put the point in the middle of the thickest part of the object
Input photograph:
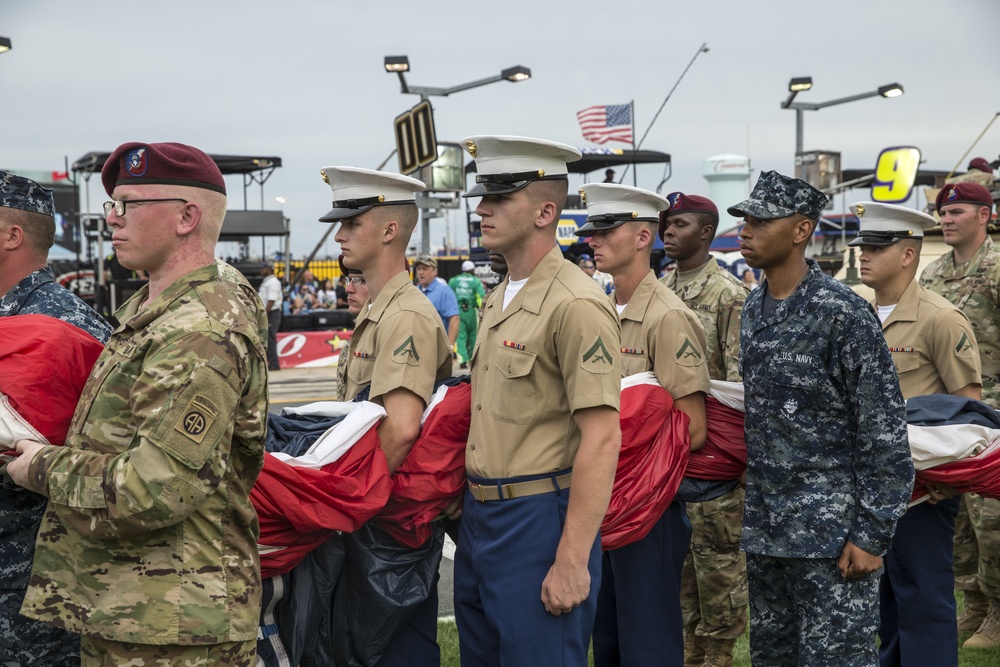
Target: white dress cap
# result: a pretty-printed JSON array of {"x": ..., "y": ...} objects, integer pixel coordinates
[
  {"x": 506, "y": 163},
  {"x": 355, "y": 190},
  {"x": 610, "y": 205},
  {"x": 886, "y": 224}
]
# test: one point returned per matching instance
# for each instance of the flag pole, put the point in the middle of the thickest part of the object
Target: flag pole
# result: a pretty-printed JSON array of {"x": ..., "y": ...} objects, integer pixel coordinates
[
  {"x": 635, "y": 170},
  {"x": 701, "y": 49}
]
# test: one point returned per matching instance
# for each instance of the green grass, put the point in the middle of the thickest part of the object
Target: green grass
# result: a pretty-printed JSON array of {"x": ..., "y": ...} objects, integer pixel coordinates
[{"x": 448, "y": 639}]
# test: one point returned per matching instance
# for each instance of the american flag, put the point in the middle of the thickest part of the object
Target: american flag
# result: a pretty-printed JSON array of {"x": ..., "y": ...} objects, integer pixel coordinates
[{"x": 612, "y": 122}]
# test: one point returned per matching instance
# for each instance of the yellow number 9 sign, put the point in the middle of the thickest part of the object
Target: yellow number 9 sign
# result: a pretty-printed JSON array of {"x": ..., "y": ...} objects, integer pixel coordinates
[{"x": 895, "y": 174}]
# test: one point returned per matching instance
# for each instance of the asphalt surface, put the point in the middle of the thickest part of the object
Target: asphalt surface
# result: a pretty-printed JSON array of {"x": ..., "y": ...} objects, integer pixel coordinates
[{"x": 293, "y": 387}]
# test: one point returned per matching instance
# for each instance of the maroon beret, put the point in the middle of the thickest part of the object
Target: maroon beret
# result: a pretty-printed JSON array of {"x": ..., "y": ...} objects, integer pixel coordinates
[
  {"x": 682, "y": 203},
  {"x": 981, "y": 164},
  {"x": 964, "y": 193},
  {"x": 161, "y": 164}
]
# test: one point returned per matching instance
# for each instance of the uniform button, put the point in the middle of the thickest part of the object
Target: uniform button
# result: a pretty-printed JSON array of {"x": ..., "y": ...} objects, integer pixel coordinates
[
  {"x": 479, "y": 406},
  {"x": 486, "y": 367},
  {"x": 472, "y": 446}
]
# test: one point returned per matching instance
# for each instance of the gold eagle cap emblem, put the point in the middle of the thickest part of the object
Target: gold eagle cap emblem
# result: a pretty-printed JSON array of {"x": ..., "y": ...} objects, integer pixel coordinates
[
  {"x": 583, "y": 196},
  {"x": 470, "y": 146},
  {"x": 541, "y": 173},
  {"x": 381, "y": 198},
  {"x": 635, "y": 214},
  {"x": 326, "y": 179},
  {"x": 861, "y": 209}
]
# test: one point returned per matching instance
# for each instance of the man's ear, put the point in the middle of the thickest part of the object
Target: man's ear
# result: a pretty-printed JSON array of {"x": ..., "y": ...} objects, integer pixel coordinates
[
  {"x": 390, "y": 231},
  {"x": 190, "y": 219},
  {"x": 12, "y": 237},
  {"x": 548, "y": 213}
]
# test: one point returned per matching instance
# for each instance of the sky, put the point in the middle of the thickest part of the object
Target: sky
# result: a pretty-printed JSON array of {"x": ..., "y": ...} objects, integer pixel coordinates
[{"x": 304, "y": 80}]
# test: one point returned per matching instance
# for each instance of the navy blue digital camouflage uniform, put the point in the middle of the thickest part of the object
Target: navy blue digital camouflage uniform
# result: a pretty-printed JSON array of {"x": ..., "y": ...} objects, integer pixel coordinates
[
  {"x": 23, "y": 641},
  {"x": 827, "y": 461}
]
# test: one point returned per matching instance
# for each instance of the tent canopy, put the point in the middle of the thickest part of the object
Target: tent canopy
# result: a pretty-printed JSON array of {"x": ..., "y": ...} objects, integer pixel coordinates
[{"x": 228, "y": 164}]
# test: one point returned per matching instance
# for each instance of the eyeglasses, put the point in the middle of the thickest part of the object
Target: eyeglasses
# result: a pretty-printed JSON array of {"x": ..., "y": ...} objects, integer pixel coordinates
[
  {"x": 356, "y": 281},
  {"x": 588, "y": 266},
  {"x": 118, "y": 205}
]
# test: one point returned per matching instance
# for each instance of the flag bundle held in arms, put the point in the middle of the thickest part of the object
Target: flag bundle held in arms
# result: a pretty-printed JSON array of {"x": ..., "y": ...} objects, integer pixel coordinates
[{"x": 612, "y": 122}]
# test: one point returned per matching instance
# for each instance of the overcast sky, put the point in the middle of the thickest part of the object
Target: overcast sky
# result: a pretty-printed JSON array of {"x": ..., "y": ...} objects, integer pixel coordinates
[{"x": 304, "y": 80}]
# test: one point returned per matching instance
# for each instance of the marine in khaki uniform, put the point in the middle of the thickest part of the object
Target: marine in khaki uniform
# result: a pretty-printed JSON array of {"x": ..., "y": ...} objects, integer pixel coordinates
[
  {"x": 714, "y": 581},
  {"x": 934, "y": 351},
  {"x": 544, "y": 440},
  {"x": 969, "y": 277},
  {"x": 148, "y": 546},
  {"x": 639, "y": 620},
  {"x": 398, "y": 349}
]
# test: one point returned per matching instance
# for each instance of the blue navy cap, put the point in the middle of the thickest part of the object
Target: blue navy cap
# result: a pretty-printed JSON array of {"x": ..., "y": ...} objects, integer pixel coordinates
[
  {"x": 776, "y": 196},
  {"x": 23, "y": 193}
]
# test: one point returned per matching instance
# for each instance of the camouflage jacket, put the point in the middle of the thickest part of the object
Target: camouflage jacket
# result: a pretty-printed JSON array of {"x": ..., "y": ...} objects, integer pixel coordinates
[
  {"x": 149, "y": 535},
  {"x": 974, "y": 288},
  {"x": 716, "y": 297},
  {"x": 828, "y": 458},
  {"x": 39, "y": 294}
]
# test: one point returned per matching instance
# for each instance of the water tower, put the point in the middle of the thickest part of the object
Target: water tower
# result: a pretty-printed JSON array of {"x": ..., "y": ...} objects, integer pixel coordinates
[{"x": 728, "y": 177}]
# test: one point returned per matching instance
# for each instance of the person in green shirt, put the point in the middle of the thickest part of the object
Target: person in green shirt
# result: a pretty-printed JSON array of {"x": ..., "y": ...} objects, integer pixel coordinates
[{"x": 469, "y": 291}]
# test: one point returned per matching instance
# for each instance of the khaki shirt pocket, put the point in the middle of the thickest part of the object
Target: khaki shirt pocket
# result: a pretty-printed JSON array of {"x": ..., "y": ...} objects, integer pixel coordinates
[
  {"x": 906, "y": 361},
  {"x": 360, "y": 370},
  {"x": 514, "y": 394}
]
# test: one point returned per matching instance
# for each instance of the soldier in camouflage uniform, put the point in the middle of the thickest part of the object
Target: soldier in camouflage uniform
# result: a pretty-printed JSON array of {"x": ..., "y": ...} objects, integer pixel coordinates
[
  {"x": 714, "y": 582},
  {"x": 828, "y": 462},
  {"x": 27, "y": 228},
  {"x": 969, "y": 277},
  {"x": 148, "y": 546},
  {"x": 639, "y": 619}
]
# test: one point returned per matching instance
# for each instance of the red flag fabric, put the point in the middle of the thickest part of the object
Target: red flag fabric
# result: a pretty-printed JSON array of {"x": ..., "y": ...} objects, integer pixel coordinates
[
  {"x": 654, "y": 453},
  {"x": 44, "y": 363},
  {"x": 977, "y": 474},
  {"x": 299, "y": 508},
  {"x": 724, "y": 455},
  {"x": 433, "y": 474}
]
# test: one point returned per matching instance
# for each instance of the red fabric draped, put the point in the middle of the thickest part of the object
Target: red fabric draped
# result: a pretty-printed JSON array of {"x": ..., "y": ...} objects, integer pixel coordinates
[
  {"x": 433, "y": 474},
  {"x": 724, "y": 455},
  {"x": 44, "y": 364},
  {"x": 655, "y": 445}
]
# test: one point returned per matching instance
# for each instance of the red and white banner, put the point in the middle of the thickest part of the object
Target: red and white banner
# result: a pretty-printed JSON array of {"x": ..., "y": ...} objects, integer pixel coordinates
[{"x": 311, "y": 349}]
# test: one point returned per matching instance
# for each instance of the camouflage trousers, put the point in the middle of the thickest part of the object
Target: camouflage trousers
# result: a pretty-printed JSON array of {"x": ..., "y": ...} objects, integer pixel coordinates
[
  {"x": 804, "y": 612},
  {"x": 714, "y": 580},
  {"x": 97, "y": 652},
  {"x": 977, "y": 545}
]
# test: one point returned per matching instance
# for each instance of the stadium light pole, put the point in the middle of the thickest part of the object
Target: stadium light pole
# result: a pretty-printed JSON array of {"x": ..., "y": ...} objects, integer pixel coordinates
[
  {"x": 800, "y": 84},
  {"x": 400, "y": 65}
]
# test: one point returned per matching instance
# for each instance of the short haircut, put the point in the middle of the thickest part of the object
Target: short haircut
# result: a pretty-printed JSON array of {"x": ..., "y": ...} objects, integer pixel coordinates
[
  {"x": 915, "y": 243},
  {"x": 404, "y": 214},
  {"x": 554, "y": 191},
  {"x": 707, "y": 220},
  {"x": 39, "y": 229}
]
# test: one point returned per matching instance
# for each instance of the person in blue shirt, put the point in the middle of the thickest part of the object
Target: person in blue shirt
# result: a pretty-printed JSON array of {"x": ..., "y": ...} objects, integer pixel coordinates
[{"x": 439, "y": 293}]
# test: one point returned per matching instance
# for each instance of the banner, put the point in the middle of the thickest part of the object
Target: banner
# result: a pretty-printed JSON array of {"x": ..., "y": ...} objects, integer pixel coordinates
[{"x": 311, "y": 349}]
